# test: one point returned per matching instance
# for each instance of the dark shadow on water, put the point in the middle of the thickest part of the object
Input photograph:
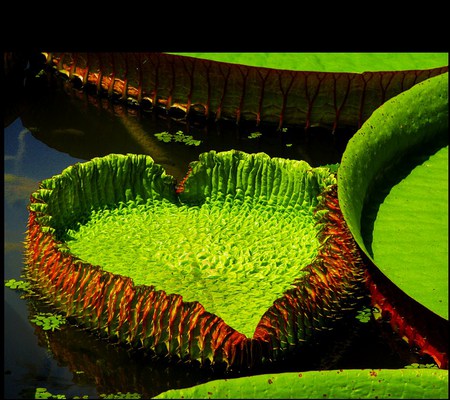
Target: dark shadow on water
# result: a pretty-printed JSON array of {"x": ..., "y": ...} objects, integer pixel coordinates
[
  {"x": 114, "y": 368},
  {"x": 86, "y": 126}
]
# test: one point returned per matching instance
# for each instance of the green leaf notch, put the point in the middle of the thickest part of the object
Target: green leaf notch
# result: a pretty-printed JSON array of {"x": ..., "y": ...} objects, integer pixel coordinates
[
  {"x": 393, "y": 191},
  {"x": 300, "y": 89},
  {"x": 340, "y": 384},
  {"x": 271, "y": 204}
]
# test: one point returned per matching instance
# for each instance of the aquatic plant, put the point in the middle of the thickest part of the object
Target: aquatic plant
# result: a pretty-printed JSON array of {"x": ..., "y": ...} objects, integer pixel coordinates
[
  {"x": 43, "y": 393},
  {"x": 382, "y": 300},
  {"x": 318, "y": 89},
  {"x": 364, "y": 315},
  {"x": 174, "y": 295},
  {"x": 393, "y": 191},
  {"x": 254, "y": 135},
  {"x": 417, "y": 365},
  {"x": 121, "y": 395},
  {"x": 178, "y": 137},
  {"x": 21, "y": 285},
  {"x": 48, "y": 321},
  {"x": 340, "y": 384}
]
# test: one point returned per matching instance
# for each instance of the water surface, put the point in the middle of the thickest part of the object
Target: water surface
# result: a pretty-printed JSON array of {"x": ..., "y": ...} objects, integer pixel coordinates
[{"x": 56, "y": 129}]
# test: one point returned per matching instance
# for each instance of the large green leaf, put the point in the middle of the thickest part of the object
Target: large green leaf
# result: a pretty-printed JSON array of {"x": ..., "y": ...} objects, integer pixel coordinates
[
  {"x": 411, "y": 230},
  {"x": 332, "y": 62},
  {"x": 341, "y": 384},
  {"x": 294, "y": 89},
  {"x": 391, "y": 165},
  {"x": 226, "y": 241},
  {"x": 116, "y": 244}
]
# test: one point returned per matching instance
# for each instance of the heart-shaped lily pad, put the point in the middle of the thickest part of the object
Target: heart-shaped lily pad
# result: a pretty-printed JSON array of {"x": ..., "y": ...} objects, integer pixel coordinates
[
  {"x": 221, "y": 242},
  {"x": 393, "y": 190},
  {"x": 237, "y": 264}
]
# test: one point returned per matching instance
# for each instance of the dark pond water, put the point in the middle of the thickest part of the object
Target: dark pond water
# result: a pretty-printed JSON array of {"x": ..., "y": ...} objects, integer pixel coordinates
[{"x": 48, "y": 131}]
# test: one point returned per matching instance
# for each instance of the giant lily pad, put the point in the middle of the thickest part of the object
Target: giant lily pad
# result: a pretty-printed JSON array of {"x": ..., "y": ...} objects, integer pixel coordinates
[
  {"x": 393, "y": 190},
  {"x": 237, "y": 264},
  {"x": 341, "y": 384},
  {"x": 331, "y": 62},
  {"x": 295, "y": 89}
]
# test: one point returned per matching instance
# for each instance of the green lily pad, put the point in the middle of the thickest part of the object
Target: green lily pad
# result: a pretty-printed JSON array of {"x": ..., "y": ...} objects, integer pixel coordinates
[
  {"x": 330, "y": 90},
  {"x": 339, "y": 384},
  {"x": 331, "y": 62},
  {"x": 218, "y": 247},
  {"x": 236, "y": 264},
  {"x": 411, "y": 229},
  {"x": 392, "y": 191}
]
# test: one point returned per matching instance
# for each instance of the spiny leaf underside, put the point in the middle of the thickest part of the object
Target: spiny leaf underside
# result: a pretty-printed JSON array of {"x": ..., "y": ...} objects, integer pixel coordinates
[{"x": 397, "y": 311}]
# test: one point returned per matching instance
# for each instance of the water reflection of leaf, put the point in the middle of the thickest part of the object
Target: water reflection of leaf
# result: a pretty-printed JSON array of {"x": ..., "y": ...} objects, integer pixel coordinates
[
  {"x": 18, "y": 188},
  {"x": 13, "y": 246}
]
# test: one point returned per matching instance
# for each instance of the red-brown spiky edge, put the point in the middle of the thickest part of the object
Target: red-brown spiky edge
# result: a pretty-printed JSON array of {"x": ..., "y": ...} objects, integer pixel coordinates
[
  {"x": 229, "y": 91},
  {"x": 333, "y": 286},
  {"x": 180, "y": 186},
  {"x": 144, "y": 317},
  {"x": 424, "y": 331}
]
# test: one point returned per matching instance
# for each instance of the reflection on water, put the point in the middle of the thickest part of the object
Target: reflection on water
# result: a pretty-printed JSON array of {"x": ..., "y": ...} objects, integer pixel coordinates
[
  {"x": 63, "y": 127},
  {"x": 111, "y": 368},
  {"x": 86, "y": 126},
  {"x": 26, "y": 364}
]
